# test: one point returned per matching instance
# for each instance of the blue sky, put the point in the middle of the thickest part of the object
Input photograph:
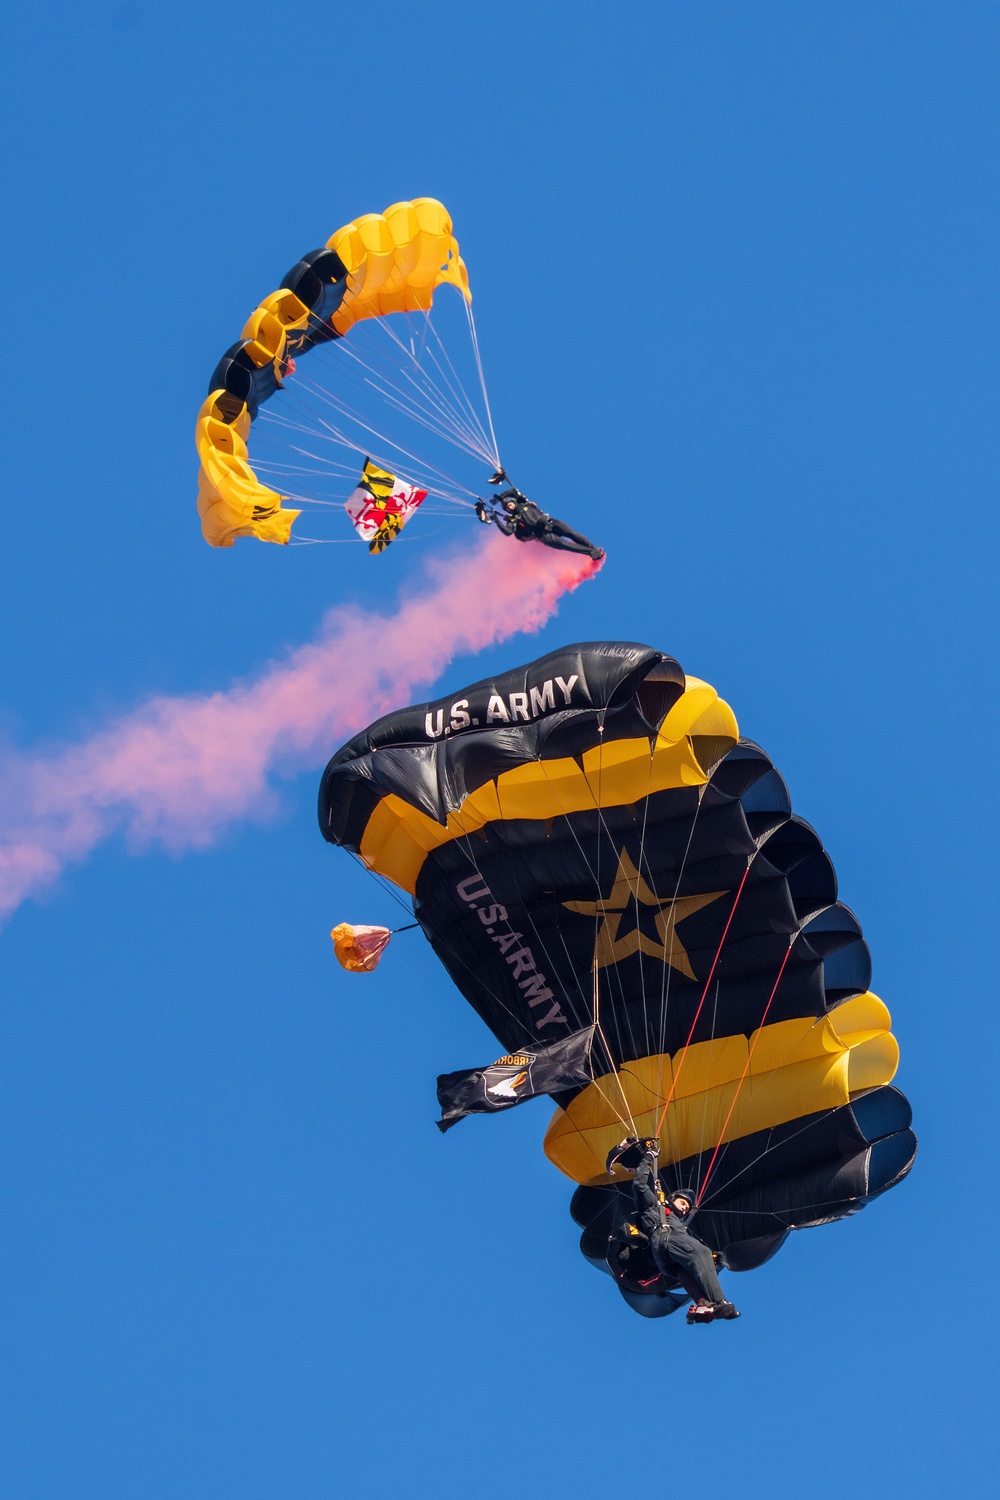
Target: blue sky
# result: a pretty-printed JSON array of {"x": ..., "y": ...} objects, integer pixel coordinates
[{"x": 735, "y": 285}]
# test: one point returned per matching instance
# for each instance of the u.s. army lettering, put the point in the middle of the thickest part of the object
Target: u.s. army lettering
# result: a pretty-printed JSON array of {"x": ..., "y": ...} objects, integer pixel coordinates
[{"x": 474, "y": 891}]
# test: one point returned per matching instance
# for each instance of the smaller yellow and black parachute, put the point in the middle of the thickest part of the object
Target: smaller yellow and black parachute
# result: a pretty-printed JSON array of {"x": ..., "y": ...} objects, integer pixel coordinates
[
  {"x": 377, "y": 265},
  {"x": 589, "y": 842}
]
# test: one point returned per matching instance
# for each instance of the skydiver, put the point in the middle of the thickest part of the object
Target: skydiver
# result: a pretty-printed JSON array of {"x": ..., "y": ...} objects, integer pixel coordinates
[
  {"x": 522, "y": 519},
  {"x": 665, "y": 1220}
]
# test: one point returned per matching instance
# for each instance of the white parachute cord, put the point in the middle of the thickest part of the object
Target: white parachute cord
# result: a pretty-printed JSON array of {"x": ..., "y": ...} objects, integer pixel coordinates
[
  {"x": 297, "y": 400},
  {"x": 334, "y": 435},
  {"x": 604, "y": 1041},
  {"x": 338, "y": 436},
  {"x": 457, "y": 391},
  {"x": 464, "y": 394},
  {"x": 453, "y": 427},
  {"x": 433, "y": 393},
  {"x": 421, "y": 479},
  {"x": 340, "y": 471},
  {"x": 461, "y": 388},
  {"x": 482, "y": 379},
  {"x": 459, "y": 439}
]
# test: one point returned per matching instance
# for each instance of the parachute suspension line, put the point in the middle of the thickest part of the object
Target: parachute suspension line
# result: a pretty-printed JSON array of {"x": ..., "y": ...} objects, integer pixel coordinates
[
  {"x": 337, "y": 436},
  {"x": 455, "y": 436},
  {"x": 772, "y": 1073},
  {"x": 482, "y": 379},
  {"x": 705, "y": 1092},
  {"x": 352, "y": 474},
  {"x": 604, "y": 829},
  {"x": 463, "y": 415},
  {"x": 744, "y": 1074},
  {"x": 668, "y": 966},
  {"x": 595, "y": 877},
  {"x": 321, "y": 541},
  {"x": 444, "y": 399},
  {"x": 704, "y": 993},
  {"x": 435, "y": 414},
  {"x": 604, "y": 1042},
  {"x": 489, "y": 443},
  {"x": 599, "y": 809},
  {"x": 388, "y": 886},
  {"x": 746, "y": 1069},
  {"x": 436, "y": 402},
  {"x": 381, "y": 880},
  {"x": 652, "y": 886},
  {"x": 341, "y": 438},
  {"x": 432, "y": 395}
]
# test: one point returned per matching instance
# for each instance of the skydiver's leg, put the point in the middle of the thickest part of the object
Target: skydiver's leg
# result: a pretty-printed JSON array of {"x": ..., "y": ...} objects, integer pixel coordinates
[
  {"x": 694, "y": 1258},
  {"x": 558, "y": 534},
  {"x": 674, "y": 1270}
]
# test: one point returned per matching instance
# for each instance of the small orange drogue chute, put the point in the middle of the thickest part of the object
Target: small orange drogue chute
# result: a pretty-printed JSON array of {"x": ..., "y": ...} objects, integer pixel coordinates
[{"x": 359, "y": 949}]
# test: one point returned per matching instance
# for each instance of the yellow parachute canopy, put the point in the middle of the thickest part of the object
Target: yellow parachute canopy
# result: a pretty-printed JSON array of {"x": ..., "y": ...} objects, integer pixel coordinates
[{"x": 378, "y": 264}]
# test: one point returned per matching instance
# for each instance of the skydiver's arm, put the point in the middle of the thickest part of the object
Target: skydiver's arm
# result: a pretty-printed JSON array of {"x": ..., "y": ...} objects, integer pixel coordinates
[
  {"x": 504, "y": 523},
  {"x": 642, "y": 1194}
]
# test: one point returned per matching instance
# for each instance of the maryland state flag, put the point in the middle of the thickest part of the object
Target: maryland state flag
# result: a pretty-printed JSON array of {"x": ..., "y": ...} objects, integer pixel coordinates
[
  {"x": 381, "y": 506},
  {"x": 512, "y": 1079}
]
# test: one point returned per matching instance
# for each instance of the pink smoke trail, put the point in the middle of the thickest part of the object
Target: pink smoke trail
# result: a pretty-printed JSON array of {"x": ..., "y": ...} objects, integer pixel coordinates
[{"x": 178, "y": 770}]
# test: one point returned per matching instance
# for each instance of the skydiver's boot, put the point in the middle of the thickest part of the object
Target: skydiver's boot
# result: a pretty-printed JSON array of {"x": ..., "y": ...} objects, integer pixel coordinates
[
  {"x": 701, "y": 1311},
  {"x": 597, "y": 553},
  {"x": 724, "y": 1310}
]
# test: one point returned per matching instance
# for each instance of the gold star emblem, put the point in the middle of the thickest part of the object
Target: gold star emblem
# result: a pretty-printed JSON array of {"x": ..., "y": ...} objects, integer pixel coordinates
[{"x": 629, "y": 888}]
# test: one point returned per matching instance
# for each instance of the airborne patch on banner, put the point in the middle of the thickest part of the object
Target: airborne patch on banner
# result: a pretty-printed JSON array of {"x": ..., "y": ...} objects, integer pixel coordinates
[
  {"x": 381, "y": 506},
  {"x": 516, "y": 1077}
]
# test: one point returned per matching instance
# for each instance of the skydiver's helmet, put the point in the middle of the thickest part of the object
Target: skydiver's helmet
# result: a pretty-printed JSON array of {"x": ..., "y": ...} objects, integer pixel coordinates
[
  {"x": 509, "y": 506},
  {"x": 685, "y": 1193}
]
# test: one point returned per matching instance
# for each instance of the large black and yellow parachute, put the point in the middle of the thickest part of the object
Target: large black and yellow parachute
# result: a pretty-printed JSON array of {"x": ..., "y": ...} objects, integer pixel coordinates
[{"x": 589, "y": 843}]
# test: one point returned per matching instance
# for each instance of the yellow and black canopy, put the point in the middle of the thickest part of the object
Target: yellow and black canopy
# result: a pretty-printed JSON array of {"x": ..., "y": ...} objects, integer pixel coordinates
[
  {"x": 378, "y": 264},
  {"x": 588, "y": 841}
]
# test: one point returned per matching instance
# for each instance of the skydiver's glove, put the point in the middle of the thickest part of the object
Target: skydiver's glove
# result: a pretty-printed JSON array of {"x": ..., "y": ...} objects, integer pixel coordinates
[
  {"x": 483, "y": 514},
  {"x": 627, "y": 1155},
  {"x": 651, "y": 1146},
  {"x": 499, "y": 477}
]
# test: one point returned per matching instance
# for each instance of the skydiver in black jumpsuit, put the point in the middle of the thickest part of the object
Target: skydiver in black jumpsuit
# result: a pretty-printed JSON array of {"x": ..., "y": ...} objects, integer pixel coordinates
[
  {"x": 523, "y": 519},
  {"x": 679, "y": 1254}
]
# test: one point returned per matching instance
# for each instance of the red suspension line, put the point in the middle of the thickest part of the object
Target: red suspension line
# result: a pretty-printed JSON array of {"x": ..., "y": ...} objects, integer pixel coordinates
[
  {"x": 743, "y": 1076},
  {"x": 701, "y": 1002}
]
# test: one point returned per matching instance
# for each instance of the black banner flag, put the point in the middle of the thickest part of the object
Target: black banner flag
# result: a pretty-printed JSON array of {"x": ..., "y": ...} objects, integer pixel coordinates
[{"x": 512, "y": 1079}]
